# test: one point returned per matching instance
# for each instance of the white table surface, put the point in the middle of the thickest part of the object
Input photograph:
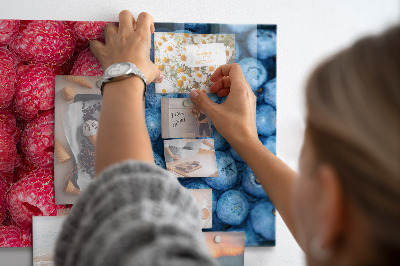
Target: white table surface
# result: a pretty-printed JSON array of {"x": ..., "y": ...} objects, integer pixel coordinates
[{"x": 307, "y": 32}]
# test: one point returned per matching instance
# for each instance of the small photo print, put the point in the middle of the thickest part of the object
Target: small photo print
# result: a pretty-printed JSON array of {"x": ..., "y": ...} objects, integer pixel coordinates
[
  {"x": 204, "y": 199},
  {"x": 226, "y": 247},
  {"x": 188, "y": 60},
  {"x": 77, "y": 112},
  {"x": 45, "y": 230},
  {"x": 191, "y": 157},
  {"x": 180, "y": 118}
]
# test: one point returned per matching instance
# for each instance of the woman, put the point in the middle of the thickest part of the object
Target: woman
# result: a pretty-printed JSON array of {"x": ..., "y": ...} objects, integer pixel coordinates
[
  {"x": 204, "y": 127},
  {"x": 343, "y": 209}
]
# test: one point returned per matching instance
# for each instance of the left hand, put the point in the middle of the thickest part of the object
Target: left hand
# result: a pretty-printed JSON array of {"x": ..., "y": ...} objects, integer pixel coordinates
[{"x": 129, "y": 43}]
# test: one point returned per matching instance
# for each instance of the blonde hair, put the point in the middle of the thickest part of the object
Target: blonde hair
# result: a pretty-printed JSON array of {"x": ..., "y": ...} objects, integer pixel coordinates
[{"x": 353, "y": 120}]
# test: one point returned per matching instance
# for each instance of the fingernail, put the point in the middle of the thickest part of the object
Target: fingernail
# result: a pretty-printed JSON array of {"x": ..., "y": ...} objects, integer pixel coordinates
[
  {"x": 194, "y": 94},
  {"x": 160, "y": 78}
]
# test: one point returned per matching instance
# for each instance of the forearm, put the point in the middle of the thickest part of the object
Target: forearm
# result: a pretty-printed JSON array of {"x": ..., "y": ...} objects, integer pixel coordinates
[
  {"x": 273, "y": 174},
  {"x": 122, "y": 133}
]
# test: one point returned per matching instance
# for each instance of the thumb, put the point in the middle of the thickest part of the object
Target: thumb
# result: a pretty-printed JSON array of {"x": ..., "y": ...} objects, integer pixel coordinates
[
  {"x": 203, "y": 102},
  {"x": 158, "y": 75}
]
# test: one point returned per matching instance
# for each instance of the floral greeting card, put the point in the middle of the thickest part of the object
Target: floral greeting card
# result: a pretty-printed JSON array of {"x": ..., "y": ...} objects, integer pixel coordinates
[{"x": 187, "y": 60}]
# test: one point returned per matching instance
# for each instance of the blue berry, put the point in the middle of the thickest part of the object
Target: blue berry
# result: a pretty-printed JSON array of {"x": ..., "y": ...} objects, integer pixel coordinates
[
  {"x": 153, "y": 123},
  {"x": 250, "y": 184},
  {"x": 220, "y": 142},
  {"x": 269, "y": 142},
  {"x": 269, "y": 89},
  {"x": 254, "y": 72},
  {"x": 193, "y": 27},
  {"x": 266, "y": 43},
  {"x": 158, "y": 146},
  {"x": 266, "y": 120},
  {"x": 235, "y": 155},
  {"x": 153, "y": 99},
  {"x": 183, "y": 31},
  {"x": 263, "y": 219},
  {"x": 213, "y": 96},
  {"x": 227, "y": 171},
  {"x": 232, "y": 207},
  {"x": 161, "y": 29},
  {"x": 222, "y": 99},
  {"x": 237, "y": 51},
  {"x": 195, "y": 183},
  {"x": 158, "y": 160},
  {"x": 217, "y": 224}
]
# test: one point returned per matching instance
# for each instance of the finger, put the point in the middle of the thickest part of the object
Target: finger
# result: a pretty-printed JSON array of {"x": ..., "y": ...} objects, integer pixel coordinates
[
  {"x": 145, "y": 23},
  {"x": 126, "y": 22},
  {"x": 201, "y": 100},
  {"x": 227, "y": 70},
  {"x": 110, "y": 31},
  {"x": 157, "y": 75},
  {"x": 223, "y": 92},
  {"x": 225, "y": 82},
  {"x": 97, "y": 49}
]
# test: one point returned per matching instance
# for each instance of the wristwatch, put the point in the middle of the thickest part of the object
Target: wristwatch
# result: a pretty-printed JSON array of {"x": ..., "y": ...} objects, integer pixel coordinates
[{"x": 120, "y": 71}]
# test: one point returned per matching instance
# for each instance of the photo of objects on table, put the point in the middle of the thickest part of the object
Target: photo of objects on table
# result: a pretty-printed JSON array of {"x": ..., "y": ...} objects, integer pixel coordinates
[
  {"x": 77, "y": 113},
  {"x": 182, "y": 119},
  {"x": 191, "y": 157}
]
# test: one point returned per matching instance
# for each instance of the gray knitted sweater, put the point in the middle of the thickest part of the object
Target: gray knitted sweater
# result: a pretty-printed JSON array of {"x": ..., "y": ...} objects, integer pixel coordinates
[{"x": 134, "y": 213}]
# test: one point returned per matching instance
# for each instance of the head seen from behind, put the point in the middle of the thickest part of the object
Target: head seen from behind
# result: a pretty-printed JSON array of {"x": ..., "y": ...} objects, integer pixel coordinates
[{"x": 347, "y": 198}]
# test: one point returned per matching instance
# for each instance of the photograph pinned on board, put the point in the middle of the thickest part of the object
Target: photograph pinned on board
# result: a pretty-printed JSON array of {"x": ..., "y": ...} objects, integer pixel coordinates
[
  {"x": 77, "y": 112},
  {"x": 45, "y": 231},
  {"x": 188, "y": 60},
  {"x": 226, "y": 247},
  {"x": 191, "y": 157},
  {"x": 204, "y": 200},
  {"x": 180, "y": 118}
]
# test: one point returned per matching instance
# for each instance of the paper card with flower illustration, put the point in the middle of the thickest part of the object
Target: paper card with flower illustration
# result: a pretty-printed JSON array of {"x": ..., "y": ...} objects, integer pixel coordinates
[
  {"x": 204, "y": 200},
  {"x": 226, "y": 247},
  {"x": 191, "y": 157},
  {"x": 188, "y": 60},
  {"x": 181, "y": 119}
]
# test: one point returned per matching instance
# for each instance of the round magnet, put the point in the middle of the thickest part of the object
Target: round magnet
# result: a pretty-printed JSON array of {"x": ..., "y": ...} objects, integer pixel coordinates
[
  {"x": 186, "y": 103},
  {"x": 217, "y": 239}
]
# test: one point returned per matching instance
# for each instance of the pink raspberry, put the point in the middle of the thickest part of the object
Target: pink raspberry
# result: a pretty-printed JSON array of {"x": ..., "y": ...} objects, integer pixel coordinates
[
  {"x": 8, "y": 152},
  {"x": 8, "y": 62},
  {"x": 8, "y": 123},
  {"x": 3, "y": 194},
  {"x": 90, "y": 30},
  {"x": 32, "y": 196},
  {"x": 34, "y": 91},
  {"x": 44, "y": 41},
  {"x": 23, "y": 167},
  {"x": 8, "y": 30},
  {"x": 26, "y": 237},
  {"x": 87, "y": 65},
  {"x": 37, "y": 140},
  {"x": 10, "y": 236}
]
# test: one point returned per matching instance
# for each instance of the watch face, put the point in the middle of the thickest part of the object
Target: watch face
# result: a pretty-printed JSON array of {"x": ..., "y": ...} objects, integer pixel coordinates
[{"x": 118, "y": 69}]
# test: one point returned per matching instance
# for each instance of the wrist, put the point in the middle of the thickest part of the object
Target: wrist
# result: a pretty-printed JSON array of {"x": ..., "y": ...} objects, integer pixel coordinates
[{"x": 127, "y": 86}]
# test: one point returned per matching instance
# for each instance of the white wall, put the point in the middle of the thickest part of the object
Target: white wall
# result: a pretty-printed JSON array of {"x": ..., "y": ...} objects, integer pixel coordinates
[{"x": 307, "y": 32}]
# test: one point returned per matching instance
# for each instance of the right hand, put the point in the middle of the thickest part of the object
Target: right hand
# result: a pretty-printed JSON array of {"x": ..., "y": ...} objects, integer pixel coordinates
[
  {"x": 129, "y": 43},
  {"x": 235, "y": 119}
]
